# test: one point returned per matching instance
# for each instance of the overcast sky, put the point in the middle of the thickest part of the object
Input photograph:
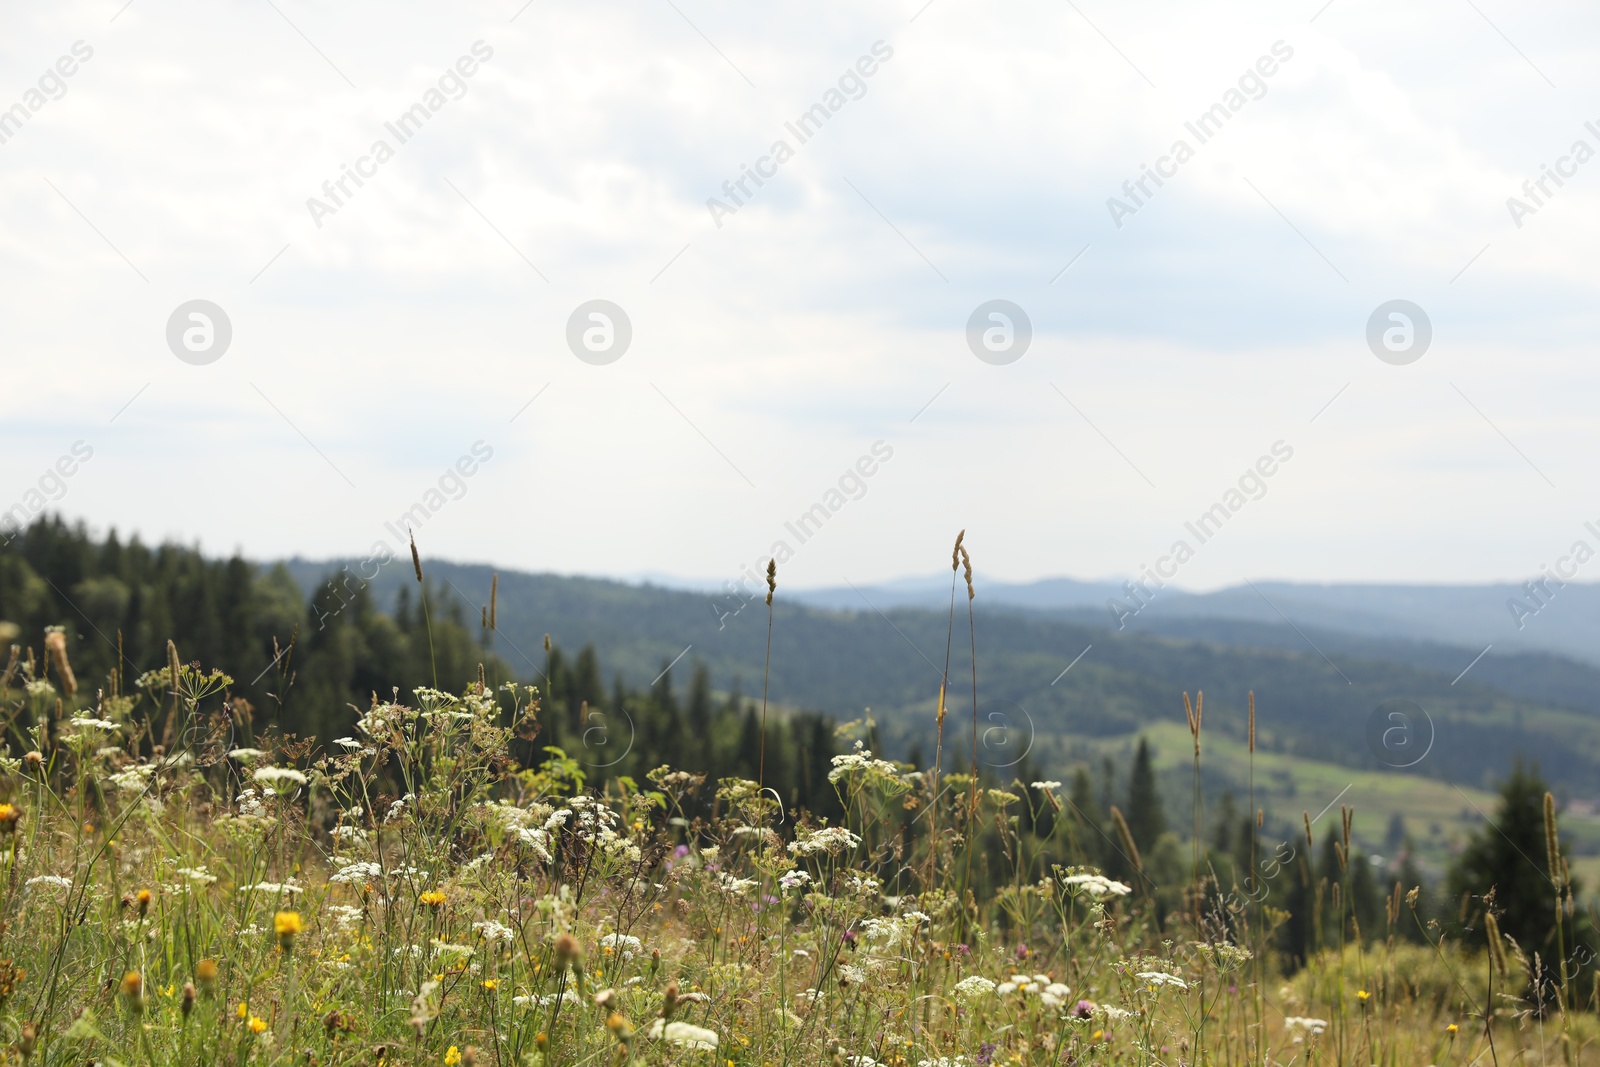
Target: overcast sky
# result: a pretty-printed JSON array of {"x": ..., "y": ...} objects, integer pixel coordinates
[{"x": 379, "y": 334}]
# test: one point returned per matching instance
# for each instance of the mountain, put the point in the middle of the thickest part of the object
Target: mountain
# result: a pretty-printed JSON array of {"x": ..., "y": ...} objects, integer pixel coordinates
[{"x": 1559, "y": 619}]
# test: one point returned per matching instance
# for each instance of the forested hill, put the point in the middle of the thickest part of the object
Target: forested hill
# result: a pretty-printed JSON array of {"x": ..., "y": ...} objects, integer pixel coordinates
[
  {"x": 844, "y": 662},
  {"x": 304, "y": 652}
]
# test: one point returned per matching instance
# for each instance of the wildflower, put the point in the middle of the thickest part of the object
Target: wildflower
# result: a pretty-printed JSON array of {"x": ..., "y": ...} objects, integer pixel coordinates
[
  {"x": 1084, "y": 1009},
  {"x": 687, "y": 1035},
  {"x": 973, "y": 987},
  {"x": 1313, "y": 1027},
  {"x": 244, "y": 1009},
  {"x": 187, "y": 1005},
  {"x": 281, "y": 780},
  {"x": 1451, "y": 1029},
  {"x": 143, "y": 898},
  {"x": 491, "y": 984},
  {"x": 830, "y": 839},
  {"x": 1097, "y": 885},
  {"x": 452, "y": 1056},
  {"x": 286, "y": 924},
  {"x": 29, "y": 1040},
  {"x": 618, "y": 1024},
  {"x": 132, "y": 990},
  {"x": 1048, "y": 787},
  {"x": 1363, "y": 996},
  {"x": 10, "y": 815},
  {"x": 792, "y": 880},
  {"x": 491, "y": 931},
  {"x": 206, "y": 972},
  {"x": 1158, "y": 979},
  {"x": 257, "y": 1025},
  {"x": 433, "y": 898}
]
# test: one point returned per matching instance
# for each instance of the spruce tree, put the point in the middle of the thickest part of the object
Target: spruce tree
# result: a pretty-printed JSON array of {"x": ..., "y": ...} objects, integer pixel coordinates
[{"x": 1145, "y": 819}]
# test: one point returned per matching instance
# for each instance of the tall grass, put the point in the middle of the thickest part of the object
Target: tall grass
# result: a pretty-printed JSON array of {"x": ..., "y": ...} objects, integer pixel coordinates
[{"x": 409, "y": 894}]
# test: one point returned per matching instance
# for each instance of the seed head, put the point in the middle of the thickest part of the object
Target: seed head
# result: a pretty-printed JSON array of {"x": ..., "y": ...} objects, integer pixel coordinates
[
  {"x": 772, "y": 580},
  {"x": 187, "y": 1004},
  {"x": 416, "y": 560}
]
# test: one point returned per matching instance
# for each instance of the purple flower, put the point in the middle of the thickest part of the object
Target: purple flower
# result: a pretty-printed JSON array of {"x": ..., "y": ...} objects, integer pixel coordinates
[
  {"x": 986, "y": 1054},
  {"x": 680, "y": 852},
  {"x": 1083, "y": 1009},
  {"x": 963, "y": 950},
  {"x": 1022, "y": 952}
]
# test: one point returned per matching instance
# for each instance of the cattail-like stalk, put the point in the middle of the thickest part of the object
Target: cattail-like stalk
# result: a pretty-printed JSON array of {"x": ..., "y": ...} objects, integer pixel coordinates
[
  {"x": 1310, "y": 844},
  {"x": 972, "y": 798},
  {"x": 494, "y": 602},
  {"x": 944, "y": 685},
  {"x": 55, "y": 644},
  {"x": 1132, "y": 850},
  {"x": 1557, "y": 867},
  {"x": 416, "y": 565},
  {"x": 1497, "y": 945},
  {"x": 766, "y": 674}
]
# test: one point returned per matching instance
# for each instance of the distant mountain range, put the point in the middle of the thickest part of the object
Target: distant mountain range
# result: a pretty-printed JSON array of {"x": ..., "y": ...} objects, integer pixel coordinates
[{"x": 1563, "y": 620}]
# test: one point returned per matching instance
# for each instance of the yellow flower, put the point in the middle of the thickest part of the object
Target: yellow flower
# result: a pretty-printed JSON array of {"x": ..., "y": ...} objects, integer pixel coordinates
[
  {"x": 1362, "y": 995},
  {"x": 1452, "y": 1028},
  {"x": 433, "y": 898},
  {"x": 491, "y": 984},
  {"x": 256, "y": 1025},
  {"x": 287, "y": 924},
  {"x": 244, "y": 1009},
  {"x": 9, "y": 815},
  {"x": 452, "y": 1055}
]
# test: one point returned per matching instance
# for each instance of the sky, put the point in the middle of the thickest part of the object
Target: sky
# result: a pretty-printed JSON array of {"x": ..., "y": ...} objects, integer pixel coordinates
[{"x": 776, "y": 342}]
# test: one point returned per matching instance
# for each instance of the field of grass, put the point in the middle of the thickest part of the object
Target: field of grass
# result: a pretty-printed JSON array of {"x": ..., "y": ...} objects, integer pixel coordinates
[{"x": 410, "y": 895}]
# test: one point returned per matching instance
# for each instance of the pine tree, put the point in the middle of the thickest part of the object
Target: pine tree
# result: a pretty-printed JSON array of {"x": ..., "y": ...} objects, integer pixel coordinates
[{"x": 1145, "y": 819}]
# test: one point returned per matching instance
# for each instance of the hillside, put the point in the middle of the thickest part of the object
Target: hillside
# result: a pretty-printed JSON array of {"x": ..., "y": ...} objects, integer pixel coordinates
[{"x": 843, "y": 662}]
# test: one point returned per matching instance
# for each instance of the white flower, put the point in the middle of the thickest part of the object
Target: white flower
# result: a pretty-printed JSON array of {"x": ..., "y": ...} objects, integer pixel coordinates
[
  {"x": 55, "y": 881},
  {"x": 954, "y": 1061},
  {"x": 84, "y": 722},
  {"x": 345, "y": 915},
  {"x": 279, "y": 779},
  {"x": 972, "y": 987},
  {"x": 1048, "y": 787},
  {"x": 1162, "y": 978},
  {"x": 1005, "y": 989},
  {"x": 273, "y": 888},
  {"x": 686, "y": 1034},
  {"x": 356, "y": 872},
  {"x": 622, "y": 941},
  {"x": 793, "y": 880},
  {"x": 734, "y": 886},
  {"x": 1097, "y": 885},
  {"x": 490, "y": 930},
  {"x": 1113, "y": 1014},
  {"x": 850, "y": 973},
  {"x": 347, "y": 743},
  {"x": 1310, "y": 1026},
  {"x": 1057, "y": 989},
  {"x": 198, "y": 874},
  {"x": 831, "y": 839},
  {"x": 245, "y": 755}
]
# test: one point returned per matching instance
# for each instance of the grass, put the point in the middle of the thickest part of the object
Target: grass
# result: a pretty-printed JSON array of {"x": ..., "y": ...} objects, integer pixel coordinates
[{"x": 413, "y": 895}]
